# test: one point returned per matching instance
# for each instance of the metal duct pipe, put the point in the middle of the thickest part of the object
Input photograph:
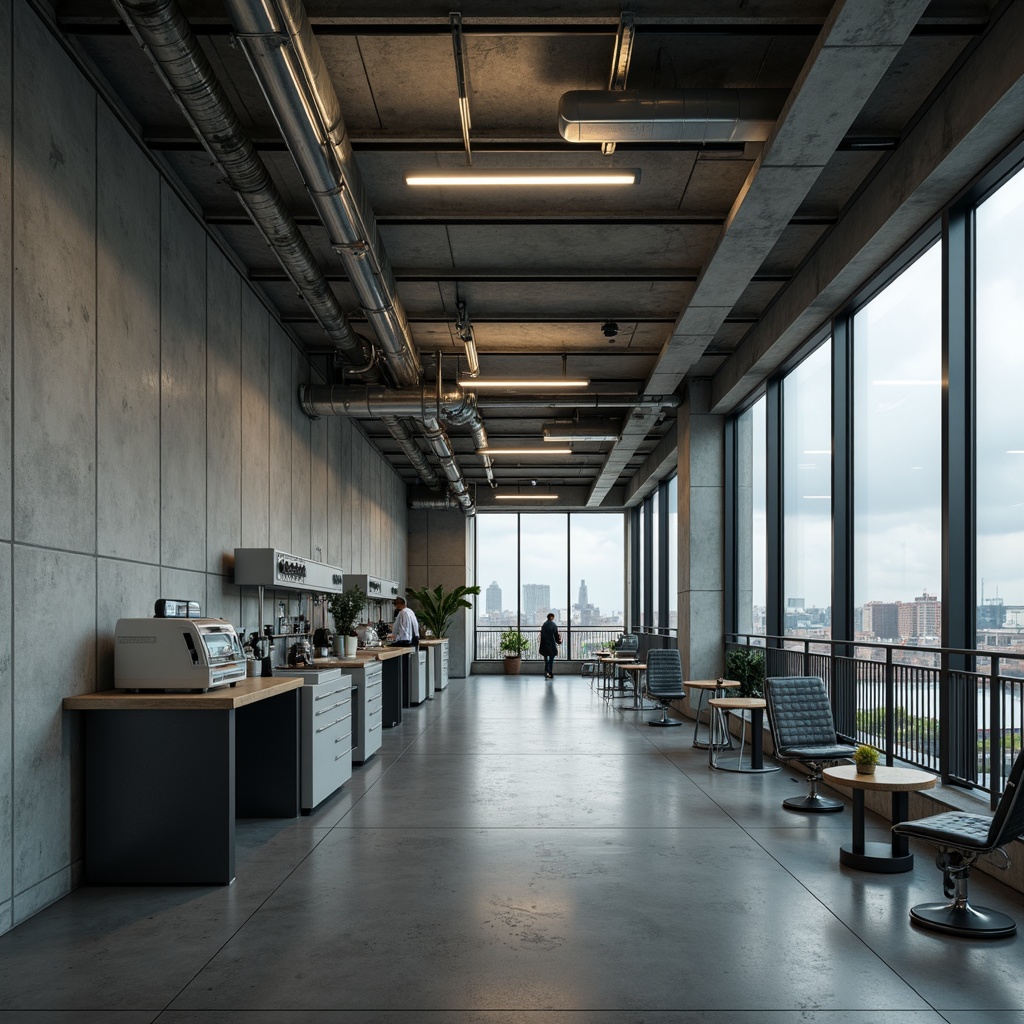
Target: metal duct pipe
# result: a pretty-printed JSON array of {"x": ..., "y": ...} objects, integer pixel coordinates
[
  {"x": 278, "y": 40},
  {"x": 434, "y": 503},
  {"x": 670, "y": 115},
  {"x": 377, "y": 403},
  {"x": 412, "y": 453},
  {"x": 163, "y": 31}
]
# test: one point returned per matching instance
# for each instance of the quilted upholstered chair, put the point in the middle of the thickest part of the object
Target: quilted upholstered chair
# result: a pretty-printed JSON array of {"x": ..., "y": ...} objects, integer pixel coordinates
[
  {"x": 800, "y": 720},
  {"x": 664, "y": 682},
  {"x": 962, "y": 838}
]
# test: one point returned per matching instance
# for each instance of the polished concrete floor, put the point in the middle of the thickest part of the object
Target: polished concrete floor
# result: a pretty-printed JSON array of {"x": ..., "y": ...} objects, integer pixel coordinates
[{"x": 520, "y": 852}]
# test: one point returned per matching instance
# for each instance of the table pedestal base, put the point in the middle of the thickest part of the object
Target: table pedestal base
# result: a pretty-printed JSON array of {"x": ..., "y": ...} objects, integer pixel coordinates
[{"x": 875, "y": 857}]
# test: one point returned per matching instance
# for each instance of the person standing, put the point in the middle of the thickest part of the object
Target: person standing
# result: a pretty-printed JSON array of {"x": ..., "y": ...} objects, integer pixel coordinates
[
  {"x": 406, "y": 628},
  {"x": 550, "y": 638}
]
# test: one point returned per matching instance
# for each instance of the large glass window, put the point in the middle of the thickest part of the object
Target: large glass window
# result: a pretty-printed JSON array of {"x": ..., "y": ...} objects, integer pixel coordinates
[
  {"x": 751, "y": 519},
  {"x": 657, "y": 557},
  {"x": 806, "y": 495},
  {"x": 530, "y": 564},
  {"x": 672, "y": 559},
  {"x": 897, "y": 354},
  {"x": 999, "y": 284},
  {"x": 543, "y": 557}
]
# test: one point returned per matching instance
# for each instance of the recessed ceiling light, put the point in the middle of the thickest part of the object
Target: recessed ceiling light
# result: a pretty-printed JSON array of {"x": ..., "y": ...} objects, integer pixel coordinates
[
  {"x": 522, "y": 382},
  {"x": 525, "y": 497},
  {"x": 546, "y": 450},
  {"x": 475, "y": 177}
]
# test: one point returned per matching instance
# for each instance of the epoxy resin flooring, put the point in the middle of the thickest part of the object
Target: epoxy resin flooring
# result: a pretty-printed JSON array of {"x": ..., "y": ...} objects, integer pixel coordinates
[{"x": 520, "y": 851}]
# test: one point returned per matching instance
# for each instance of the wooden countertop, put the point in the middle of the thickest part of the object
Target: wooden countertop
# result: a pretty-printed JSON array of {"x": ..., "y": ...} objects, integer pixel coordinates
[
  {"x": 434, "y": 642},
  {"x": 223, "y": 698}
]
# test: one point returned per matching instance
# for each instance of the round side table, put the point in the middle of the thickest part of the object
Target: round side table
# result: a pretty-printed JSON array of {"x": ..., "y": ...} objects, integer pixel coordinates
[
  {"x": 720, "y": 729},
  {"x": 718, "y": 688},
  {"x": 882, "y": 857}
]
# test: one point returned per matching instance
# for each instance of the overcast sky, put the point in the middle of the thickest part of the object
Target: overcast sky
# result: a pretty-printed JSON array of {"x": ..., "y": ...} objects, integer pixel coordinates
[
  {"x": 596, "y": 555},
  {"x": 897, "y": 429}
]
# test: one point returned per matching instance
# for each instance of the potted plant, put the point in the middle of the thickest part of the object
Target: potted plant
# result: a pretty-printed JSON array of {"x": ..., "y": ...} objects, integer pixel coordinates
[
  {"x": 746, "y": 667},
  {"x": 436, "y": 608},
  {"x": 513, "y": 645},
  {"x": 345, "y": 609},
  {"x": 865, "y": 758}
]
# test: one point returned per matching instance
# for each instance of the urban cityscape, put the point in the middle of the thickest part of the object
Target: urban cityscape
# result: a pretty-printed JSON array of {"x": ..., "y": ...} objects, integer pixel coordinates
[
  {"x": 916, "y": 622},
  {"x": 536, "y": 604}
]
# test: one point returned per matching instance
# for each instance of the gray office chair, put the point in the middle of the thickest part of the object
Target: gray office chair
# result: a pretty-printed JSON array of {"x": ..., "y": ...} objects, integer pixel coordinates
[
  {"x": 664, "y": 681},
  {"x": 962, "y": 838},
  {"x": 800, "y": 720}
]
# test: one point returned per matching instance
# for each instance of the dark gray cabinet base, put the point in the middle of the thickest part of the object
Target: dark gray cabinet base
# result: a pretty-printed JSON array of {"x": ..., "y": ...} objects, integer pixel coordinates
[{"x": 163, "y": 787}]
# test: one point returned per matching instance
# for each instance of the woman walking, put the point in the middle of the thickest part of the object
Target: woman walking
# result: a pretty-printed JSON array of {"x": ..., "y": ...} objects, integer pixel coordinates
[{"x": 550, "y": 638}]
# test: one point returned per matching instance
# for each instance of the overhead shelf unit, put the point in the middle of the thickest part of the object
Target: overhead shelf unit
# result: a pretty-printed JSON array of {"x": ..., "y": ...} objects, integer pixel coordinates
[{"x": 271, "y": 568}]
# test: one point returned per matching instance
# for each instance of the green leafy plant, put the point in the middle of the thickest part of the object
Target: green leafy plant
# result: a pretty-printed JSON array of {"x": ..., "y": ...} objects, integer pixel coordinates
[
  {"x": 746, "y": 666},
  {"x": 436, "y": 608},
  {"x": 513, "y": 644},
  {"x": 865, "y": 755},
  {"x": 345, "y": 609}
]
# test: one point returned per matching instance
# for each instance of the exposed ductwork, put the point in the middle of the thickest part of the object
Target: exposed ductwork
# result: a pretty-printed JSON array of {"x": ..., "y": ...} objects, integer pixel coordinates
[
  {"x": 434, "y": 503},
  {"x": 586, "y": 402},
  {"x": 163, "y": 31},
  {"x": 673, "y": 115},
  {"x": 285, "y": 57}
]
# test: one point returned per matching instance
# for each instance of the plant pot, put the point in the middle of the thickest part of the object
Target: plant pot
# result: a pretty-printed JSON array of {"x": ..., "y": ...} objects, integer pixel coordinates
[
  {"x": 351, "y": 646},
  {"x": 865, "y": 769},
  {"x": 512, "y": 663}
]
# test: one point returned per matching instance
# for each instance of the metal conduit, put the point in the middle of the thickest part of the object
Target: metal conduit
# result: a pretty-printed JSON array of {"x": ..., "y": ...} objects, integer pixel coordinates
[
  {"x": 284, "y": 55},
  {"x": 163, "y": 31}
]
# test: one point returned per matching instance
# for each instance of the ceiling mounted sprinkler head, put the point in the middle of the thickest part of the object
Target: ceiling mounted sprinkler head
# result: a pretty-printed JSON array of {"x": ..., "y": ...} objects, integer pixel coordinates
[{"x": 609, "y": 329}]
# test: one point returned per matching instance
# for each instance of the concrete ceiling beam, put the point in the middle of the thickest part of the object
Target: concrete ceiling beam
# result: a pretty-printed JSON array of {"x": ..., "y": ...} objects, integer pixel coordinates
[{"x": 856, "y": 46}]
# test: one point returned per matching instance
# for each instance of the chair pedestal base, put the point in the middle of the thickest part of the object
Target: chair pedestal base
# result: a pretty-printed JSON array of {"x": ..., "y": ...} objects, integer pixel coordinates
[
  {"x": 665, "y": 722},
  {"x": 814, "y": 803},
  {"x": 972, "y": 922}
]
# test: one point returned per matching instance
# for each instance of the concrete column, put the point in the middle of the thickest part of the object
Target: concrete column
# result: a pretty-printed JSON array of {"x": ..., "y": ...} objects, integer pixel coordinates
[
  {"x": 701, "y": 480},
  {"x": 440, "y": 552}
]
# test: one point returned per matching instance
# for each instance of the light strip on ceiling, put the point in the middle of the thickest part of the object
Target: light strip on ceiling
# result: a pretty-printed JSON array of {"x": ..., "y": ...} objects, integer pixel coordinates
[
  {"x": 476, "y": 177},
  {"x": 523, "y": 451},
  {"x": 525, "y": 497},
  {"x": 520, "y": 382}
]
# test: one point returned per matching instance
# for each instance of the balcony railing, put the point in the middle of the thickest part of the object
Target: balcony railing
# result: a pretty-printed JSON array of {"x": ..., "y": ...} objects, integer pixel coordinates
[
  {"x": 954, "y": 712},
  {"x": 578, "y": 642}
]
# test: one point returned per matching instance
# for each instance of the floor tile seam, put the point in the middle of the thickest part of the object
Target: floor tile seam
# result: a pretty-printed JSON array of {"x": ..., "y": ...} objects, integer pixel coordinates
[
  {"x": 839, "y": 920},
  {"x": 243, "y": 923},
  {"x": 532, "y": 828}
]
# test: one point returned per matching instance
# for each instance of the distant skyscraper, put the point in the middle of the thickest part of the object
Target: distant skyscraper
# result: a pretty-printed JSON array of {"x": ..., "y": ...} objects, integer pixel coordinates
[
  {"x": 583, "y": 599},
  {"x": 493, "y": 598},
  {"x": 536, "y": 602}
]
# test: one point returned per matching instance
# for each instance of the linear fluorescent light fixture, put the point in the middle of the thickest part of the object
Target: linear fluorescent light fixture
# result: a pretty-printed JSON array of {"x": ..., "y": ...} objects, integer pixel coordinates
[
  {"x": 522, "y": 382},
  {"x": 574, "y": 432},
  {"x": 912, "y": 383},
  {"x": 474, "y": 177},
  {"x": 525, "y": 497},
  {"x": 524, "y": 451}
]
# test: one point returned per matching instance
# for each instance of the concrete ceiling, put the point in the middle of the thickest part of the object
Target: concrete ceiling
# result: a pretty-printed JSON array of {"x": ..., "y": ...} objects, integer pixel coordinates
[{"x": 687, "y": 263}]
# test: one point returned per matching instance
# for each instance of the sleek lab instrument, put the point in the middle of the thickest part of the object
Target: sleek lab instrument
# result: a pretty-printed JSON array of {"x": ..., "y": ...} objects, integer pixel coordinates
[{"x": 176, "y": 654}]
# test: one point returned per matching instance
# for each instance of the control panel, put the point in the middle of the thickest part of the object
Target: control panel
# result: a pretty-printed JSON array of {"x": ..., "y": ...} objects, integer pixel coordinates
[{"x": 268, "y": 567}]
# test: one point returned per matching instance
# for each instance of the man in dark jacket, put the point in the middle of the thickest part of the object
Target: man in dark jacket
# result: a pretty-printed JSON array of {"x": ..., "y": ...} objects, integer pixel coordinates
[{"x": 550, "y": 638}]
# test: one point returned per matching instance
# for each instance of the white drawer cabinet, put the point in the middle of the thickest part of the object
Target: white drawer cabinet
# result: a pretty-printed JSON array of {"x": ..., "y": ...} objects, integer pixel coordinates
[
  {"x": 440, "y": 656},
  {"x": 326, "y": 739},
  {"x": 367, "y": 711},
  {"x": 418, "y": 691}
]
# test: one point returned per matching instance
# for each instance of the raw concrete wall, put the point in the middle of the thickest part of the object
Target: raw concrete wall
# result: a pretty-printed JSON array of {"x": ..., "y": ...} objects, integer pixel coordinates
[
  {"x": 148, "y": 426},
  {"x": 440, "y": 552}
]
